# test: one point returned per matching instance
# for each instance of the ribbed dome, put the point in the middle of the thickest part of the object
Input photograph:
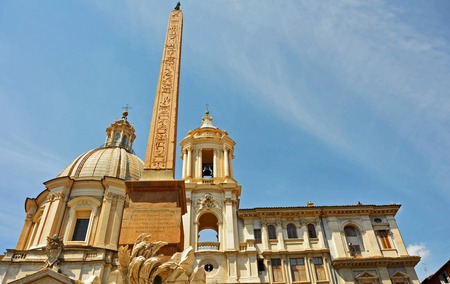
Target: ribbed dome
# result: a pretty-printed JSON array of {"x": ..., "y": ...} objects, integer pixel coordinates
[{"x": 110, "y": 161}]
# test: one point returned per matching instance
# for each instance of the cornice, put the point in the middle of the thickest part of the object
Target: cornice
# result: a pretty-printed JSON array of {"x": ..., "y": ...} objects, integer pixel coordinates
[{"x": 351, "y": 262}]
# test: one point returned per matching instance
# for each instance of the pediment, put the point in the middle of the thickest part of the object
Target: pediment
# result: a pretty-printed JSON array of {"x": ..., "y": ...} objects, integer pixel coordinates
[
  {"x": 46, "y": 276},
  {"x": 366, "y": 275},
  {"x": 399, "y": 275}
]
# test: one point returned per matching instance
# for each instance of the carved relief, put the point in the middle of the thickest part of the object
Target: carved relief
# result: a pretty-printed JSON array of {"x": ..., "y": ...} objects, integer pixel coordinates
[
  {"x": 207, "y": 202},
  {"x": 53, "y": 249},
  {"x": 167, "y": 96}
]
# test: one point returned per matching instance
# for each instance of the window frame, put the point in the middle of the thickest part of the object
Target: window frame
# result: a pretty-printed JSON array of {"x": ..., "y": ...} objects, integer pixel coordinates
[
  {"x": 276, "y": 273},
  {"x": 312, "y": 233},
  {"x": 271, "y": 232},
  {"x": 319, "y": 268},
  {"x": 296, "y": 271},
  {"x": 257, "y": 234},
  {"x": 291, "y": 230},
  {"x": 384, "y": 239},
  {"x": 80, "y": 208}
]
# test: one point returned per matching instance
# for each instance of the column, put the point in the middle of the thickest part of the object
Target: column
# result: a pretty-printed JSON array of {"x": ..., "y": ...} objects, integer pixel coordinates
[
  {"x": 189, "y": 163},
  {"x": 183, "y": 172},
  {"x": 187, "y": 222},
  {"x": 199, "y": 164},
  {"x": 225, "y": 161},
  {"x": 306, "y": 242},
  {"x": 25, "y": 231},
  {"x": 229, "y": 226},
  {"x": 320, "y": 234},
  {"x": 232, "y": 268},
  {"x": 399, "y": 243},
  {"x": 117, "y": 221},
  {"x": 215, "y": 163},
  {"x": 280, "y": 236},
  {"x": 264, "y": 236},
  {"x": 104, "y": 220},
  {"x": 371, "y": 238},
  {"x": 53, "y": 213},
  {"x": 336, "y": 237}
]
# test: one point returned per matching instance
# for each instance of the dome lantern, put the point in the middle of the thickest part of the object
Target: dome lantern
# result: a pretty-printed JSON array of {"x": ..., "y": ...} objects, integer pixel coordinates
[{"x": 120, "y": 134}]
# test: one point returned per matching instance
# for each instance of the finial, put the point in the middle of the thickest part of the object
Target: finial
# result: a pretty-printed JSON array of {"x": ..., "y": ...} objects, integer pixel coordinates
[
  {"x": 177, "y": 7},
  {"x": 207, "y": 110},
  {"x": 125, "y": 111}
]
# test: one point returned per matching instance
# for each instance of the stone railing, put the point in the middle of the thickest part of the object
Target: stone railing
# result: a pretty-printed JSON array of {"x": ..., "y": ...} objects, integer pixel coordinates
[{"x": 208, "y": 246}]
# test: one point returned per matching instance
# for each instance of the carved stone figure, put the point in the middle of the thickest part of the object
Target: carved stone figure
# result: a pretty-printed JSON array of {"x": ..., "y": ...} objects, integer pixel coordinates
[{"x": 143, "y": 266}]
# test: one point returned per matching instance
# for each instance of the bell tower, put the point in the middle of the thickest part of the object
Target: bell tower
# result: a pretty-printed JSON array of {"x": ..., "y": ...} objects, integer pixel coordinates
[{"x": 212, "y": 198}]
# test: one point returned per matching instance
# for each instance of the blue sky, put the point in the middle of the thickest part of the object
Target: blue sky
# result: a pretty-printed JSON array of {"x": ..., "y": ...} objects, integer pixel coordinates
[{"x": 333, "y": 102}]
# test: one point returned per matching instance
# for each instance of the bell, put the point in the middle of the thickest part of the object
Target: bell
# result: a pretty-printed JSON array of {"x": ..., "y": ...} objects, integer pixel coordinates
[{"x": 207, "y": 171}]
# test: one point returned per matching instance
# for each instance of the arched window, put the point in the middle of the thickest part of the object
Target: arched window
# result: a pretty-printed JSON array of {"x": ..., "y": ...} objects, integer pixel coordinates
[
  {"x": 311, "y": 231},
  {"x": 292, "y": 231},
  {"x": 208, "y": 232},
  {"x": 124, "y": 141},
  {"x": 354, "y": 240},
  {"x": 116, "y": 139},
  {"x": 272, "y": 232}
]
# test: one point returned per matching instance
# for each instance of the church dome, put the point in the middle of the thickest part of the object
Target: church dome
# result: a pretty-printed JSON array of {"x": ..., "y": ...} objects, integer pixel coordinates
[
  {"x": 114, "y": 159},
  {"x": 111, "y": 161}
]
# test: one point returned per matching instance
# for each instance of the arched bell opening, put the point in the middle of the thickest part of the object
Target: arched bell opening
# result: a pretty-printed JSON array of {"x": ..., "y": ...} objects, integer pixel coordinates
[
  {"x": 207, "y": 163},
  {"x": 208, "y": 232}
]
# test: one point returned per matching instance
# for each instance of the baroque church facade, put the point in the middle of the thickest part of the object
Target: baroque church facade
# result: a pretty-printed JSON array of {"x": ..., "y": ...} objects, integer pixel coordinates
[{"x": 78, "y": 228}]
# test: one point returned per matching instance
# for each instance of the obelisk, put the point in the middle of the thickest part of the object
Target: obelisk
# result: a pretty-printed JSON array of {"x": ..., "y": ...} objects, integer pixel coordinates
[
  {"x": 161, "y": 146},
  {"x": 157, "y": 201}
]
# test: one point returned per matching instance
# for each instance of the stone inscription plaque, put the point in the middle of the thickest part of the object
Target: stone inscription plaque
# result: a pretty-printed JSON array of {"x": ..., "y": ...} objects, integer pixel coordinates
[{"x": 164, "y": 224}]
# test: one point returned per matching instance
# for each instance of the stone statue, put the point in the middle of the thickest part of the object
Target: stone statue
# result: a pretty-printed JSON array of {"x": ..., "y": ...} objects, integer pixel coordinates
[
  {"x": 53, "y": 249},
  {"x": 177, "y": 7},
  {"x": 143, "y": 266}
]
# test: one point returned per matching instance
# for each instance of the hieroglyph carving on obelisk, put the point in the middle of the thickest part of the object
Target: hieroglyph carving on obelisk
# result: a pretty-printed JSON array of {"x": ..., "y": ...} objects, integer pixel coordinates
[{"x": 160, "y": 156}]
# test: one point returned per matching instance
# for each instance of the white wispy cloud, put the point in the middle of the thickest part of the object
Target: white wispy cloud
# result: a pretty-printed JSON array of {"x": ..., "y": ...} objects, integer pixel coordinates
[{"x": 420, "y": 250}]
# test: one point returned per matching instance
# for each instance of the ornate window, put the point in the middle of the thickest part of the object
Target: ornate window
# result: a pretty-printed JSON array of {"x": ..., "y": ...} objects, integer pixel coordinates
[
  {"x": 319, "y": 269},
  {"x": 80, "y": 219},
  {"x": 272, "y": 232},
  {"x": 257, "y": 234},
  {"x": 298, "y": 269},
  {"x": 383, "y": 236},
  {"x": 277, "y": 272},
  {"x": 292, "y": 231},
  {"x": 311, "y": 231},
  {"x": 354, "y": 241}
]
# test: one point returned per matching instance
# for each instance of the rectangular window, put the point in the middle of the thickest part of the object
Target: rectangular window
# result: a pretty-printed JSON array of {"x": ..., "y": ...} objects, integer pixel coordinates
[
  {"x": 384, "y": 239},
  {"x": 272, "y": 232},
  {"x": 261, "y": 266},
  {"x": 319, "y": 268},
  {"x": 276, "y": 270},
  {"x": 298, "y": 269},
  {"x": 257, "y": 233},
  {"x": 79, "y": 233}
]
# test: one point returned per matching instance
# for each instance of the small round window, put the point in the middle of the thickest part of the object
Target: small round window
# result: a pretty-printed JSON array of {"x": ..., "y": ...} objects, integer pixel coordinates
[
  {"x": 209, "y": 267},
  {"x": 377, "y": 220}
]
